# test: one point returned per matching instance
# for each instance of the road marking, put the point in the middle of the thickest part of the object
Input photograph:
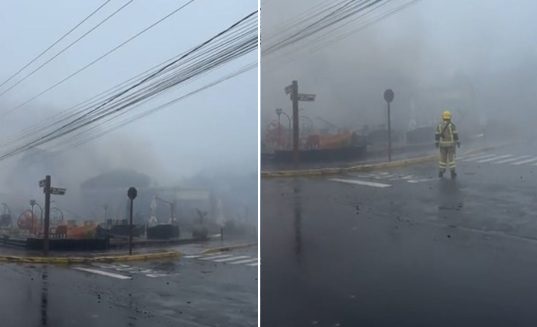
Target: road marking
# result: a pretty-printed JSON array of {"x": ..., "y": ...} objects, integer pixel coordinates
[
  {"x": 125, "y": 268},
  {"x": 421, "y": 180},
  {"x": 156, "y": 275},
  {"x": 251, "y": 260},
  {"x": 518, "y": 163},
  {"x": 359, "y": 182},
  {"x": 407, "y": 177},
  {"x": 472, "y": 156},
  {"x": 216, "y": 257},
  {"x": 253, "y": 264},
  {"x": 495, "y": 158},
  {"x": 512, "y": 159},
  {"x": 243, "y": 261},
  {"x": 232, "y": 258},
  {"x": 479, "y": 157},
  {"x": 192, "y": 256},
  {"x": 103, "y": 273}
]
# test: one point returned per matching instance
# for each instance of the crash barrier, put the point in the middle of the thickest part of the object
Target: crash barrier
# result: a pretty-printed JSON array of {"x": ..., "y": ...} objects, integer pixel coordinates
[
  {"x": 358, "y": 168},
  {"x": 79, "y": 260}
]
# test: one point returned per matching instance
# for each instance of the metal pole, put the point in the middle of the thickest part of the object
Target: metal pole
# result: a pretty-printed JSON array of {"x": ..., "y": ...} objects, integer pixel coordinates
[
  {"x": 33, "y": 227},
  {"x": 47, "y": 216},
  {"x": 294, "y": 98},
  {"x": 279, "y": 131},
  {"x": 389, "y": 134},
  {"x": 130, "y": 228}
]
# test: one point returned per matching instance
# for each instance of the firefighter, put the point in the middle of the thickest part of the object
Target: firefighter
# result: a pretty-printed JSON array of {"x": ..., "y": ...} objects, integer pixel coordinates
[{"x": 446, "y": 137}]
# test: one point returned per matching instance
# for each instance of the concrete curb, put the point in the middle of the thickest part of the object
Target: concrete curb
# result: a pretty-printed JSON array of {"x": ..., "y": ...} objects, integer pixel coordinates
[
  {"x": 78, "y": 260},
  {"x": 228, "y": 248},
  {"x": 356, "y": 168}
]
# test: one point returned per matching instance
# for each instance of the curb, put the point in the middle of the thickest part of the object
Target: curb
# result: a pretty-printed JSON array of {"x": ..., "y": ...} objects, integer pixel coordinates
[
  {"x": 78, "y": 260},
  {"x": 228, "y": 248},
  {"x": 361, "y": 167}
]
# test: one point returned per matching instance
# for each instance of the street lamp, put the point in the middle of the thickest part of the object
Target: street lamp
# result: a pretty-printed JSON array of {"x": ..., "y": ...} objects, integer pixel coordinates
[
  {"x": 34, "y": 203},
  {"x": 279, "y": 113},
  {"x": 61, "y": 212}
]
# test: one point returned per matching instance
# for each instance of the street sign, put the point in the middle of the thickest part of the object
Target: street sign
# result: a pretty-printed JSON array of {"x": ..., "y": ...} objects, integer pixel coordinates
[
  {"x": 306, "y": 97},
  {"x": 388, "y": 95},
  {"x": 57, "y": 190},
  {"x": 42, "y": 183},
  {"x": 131, "y": 193},
  {"x": 288, "y": 89}
]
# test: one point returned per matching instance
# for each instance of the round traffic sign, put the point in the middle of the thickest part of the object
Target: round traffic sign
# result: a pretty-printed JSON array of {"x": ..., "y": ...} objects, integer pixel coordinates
[
  {"x": 131, "y": 193},
  {"x": 388, "y": 95}
]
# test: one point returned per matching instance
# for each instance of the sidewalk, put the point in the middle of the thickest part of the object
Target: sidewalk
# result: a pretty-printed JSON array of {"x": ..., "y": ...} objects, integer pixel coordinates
[
  {"x": 17, "y": 255},
  {"x": 374, "y": 156},
  {"x": 400, "y": 160}
]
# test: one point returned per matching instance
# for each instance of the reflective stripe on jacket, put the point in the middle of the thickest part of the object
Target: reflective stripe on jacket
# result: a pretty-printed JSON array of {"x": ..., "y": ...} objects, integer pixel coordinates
[{"x": 446, "y": 134}]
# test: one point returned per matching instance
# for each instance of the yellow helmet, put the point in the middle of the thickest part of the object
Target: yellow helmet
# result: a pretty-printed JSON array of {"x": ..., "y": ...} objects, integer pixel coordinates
[{"x": 446, "y": 115}]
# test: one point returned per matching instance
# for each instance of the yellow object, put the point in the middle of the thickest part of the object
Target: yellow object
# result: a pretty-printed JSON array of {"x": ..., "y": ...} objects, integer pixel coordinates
[{"x": 446, "y": 115}]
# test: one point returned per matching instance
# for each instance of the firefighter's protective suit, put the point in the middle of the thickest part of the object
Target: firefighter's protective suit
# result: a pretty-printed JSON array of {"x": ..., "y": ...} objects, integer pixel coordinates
[{"x": 446, "y": 138}]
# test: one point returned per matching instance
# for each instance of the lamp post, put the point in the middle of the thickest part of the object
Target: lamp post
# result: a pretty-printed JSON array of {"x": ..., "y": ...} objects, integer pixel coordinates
[
  {"x": 289, "y": 126},
  {"x": 279, "y": 113}
]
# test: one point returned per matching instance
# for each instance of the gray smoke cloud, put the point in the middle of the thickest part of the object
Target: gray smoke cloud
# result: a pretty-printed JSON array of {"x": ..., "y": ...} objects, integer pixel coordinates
[{"x": 475, "y": 58}]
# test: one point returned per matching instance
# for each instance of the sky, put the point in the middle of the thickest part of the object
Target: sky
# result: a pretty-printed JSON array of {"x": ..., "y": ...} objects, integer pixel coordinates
[
  {"x": 483, "y": 52},
  {"x": 212, "y": 130}
]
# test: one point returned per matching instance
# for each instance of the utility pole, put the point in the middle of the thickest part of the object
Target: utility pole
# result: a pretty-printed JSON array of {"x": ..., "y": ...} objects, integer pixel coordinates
[
  {"x": 292, "y": 90},
  {"x": 294, "y": 99},
  {"x": 48, "y": 190},
  {"x": 47, "y": 216}
]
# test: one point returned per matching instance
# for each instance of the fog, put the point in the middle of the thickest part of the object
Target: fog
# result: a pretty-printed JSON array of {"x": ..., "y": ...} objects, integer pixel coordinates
[
  {"x": 475, "y": 58},
  {"x": 209, "y": 134}
]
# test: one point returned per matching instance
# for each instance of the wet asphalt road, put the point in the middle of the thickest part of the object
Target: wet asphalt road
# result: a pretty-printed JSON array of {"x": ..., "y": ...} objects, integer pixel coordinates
[
  {"x": 403, "y": 248},
  {"x": 189, "y": 292}
]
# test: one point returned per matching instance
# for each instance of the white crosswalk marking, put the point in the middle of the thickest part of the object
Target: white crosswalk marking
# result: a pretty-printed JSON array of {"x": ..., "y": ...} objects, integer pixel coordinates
[
  {"x": 518, "y": 163},
  {"x": 216, "y": 257},
  {"x": 192, "y": 256},
  {"x": 103, "y": 273},
  {"x": 243, "y": 261},
  {"x": 495, "y": 158},
  {"x": 232, "y": 258},
  {"x": 359, "y": 182},
  {"x": 253, "y": 264},
  {"x": 479, "y": 157},
  {"x": 512, "y": 159}
]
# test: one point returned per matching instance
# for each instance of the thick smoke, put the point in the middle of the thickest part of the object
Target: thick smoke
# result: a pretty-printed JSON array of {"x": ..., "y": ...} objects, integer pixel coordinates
[{"x": 473, "y": 58}]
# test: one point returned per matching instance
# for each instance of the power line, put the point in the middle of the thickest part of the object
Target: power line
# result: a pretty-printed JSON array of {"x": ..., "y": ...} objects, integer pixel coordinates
[
  {"x": 104, "y": 96},
  {"x": 66, "y": 48},
  {"x": 244, "y": 42},
  {"x": 125, "y": 122},
  {"x": 56, "y": 42},
  {"x": 100, "y": 58}
]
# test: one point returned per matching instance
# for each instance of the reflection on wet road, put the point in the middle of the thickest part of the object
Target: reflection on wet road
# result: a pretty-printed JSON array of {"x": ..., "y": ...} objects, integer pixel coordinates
[
  {"x": 168, "y": 293},
  {"x": 429, "y": 253}
]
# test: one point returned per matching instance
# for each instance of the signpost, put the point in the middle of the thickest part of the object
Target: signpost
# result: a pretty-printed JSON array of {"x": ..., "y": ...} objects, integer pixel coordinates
[
  {"x": 388, "y": 97},
  {"x": 131, "y": 193},
  {"x": 306, "y": 97},
  {"x": 292, "y": 90},
  {"x": 48, "y": 190}
]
